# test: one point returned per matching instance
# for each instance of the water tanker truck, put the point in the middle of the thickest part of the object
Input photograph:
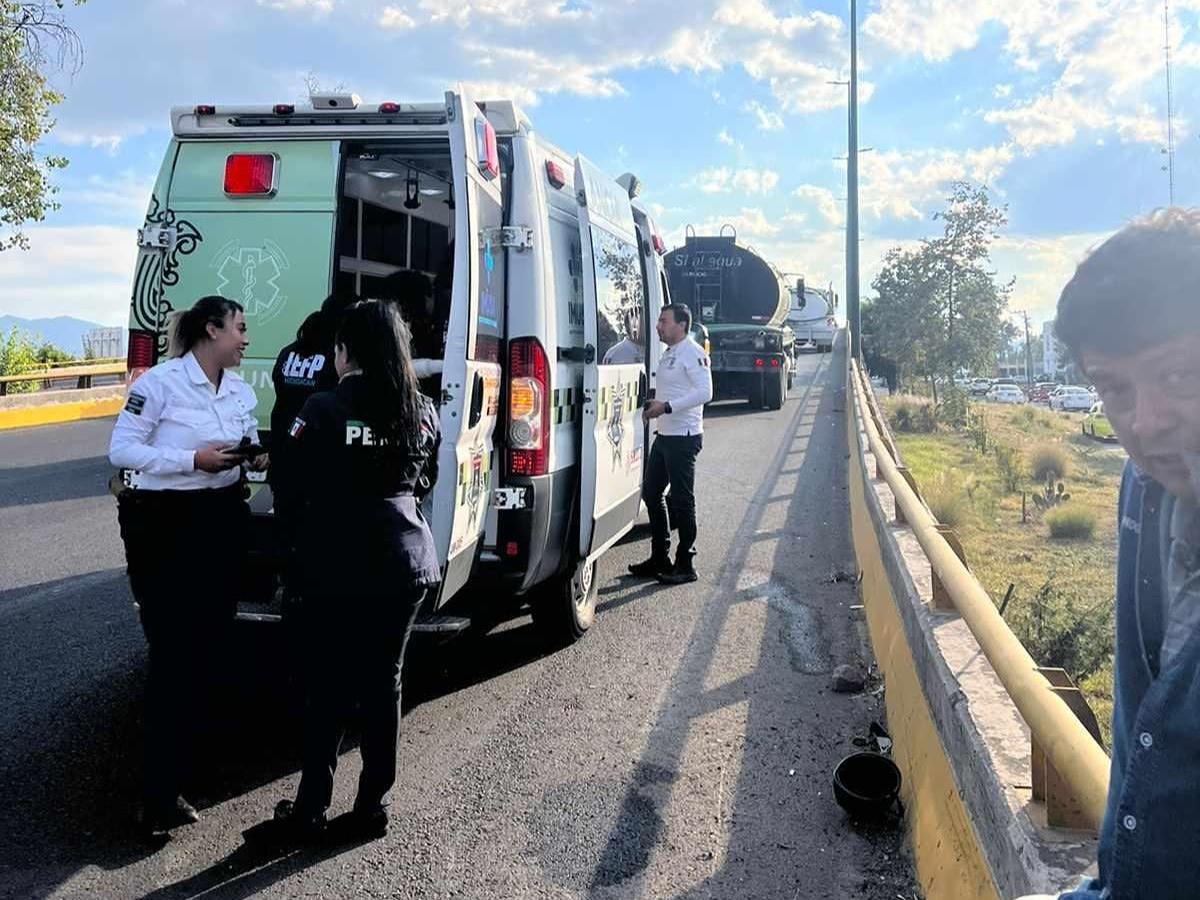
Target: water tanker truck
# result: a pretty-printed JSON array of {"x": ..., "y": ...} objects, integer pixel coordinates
[{"x": 743, "y": 301}]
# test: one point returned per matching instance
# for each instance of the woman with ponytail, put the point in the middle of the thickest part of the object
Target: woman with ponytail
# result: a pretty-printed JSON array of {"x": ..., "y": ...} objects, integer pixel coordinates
[
  {"x": 187, "y": 427},
  {"x": 368, "y": 451}
]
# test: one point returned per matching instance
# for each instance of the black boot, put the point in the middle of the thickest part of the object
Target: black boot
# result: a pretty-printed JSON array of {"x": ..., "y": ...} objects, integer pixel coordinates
[
  {"x": 655, "y": 567},
  {"x": 296, "y": 824},
  {"x": 683, "y": 572}
]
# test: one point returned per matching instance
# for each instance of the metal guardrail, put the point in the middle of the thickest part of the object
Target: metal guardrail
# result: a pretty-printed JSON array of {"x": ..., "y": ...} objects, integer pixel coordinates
[
  {"x": 1077, "y": 759},
  {"x": 83, "y": 374}
]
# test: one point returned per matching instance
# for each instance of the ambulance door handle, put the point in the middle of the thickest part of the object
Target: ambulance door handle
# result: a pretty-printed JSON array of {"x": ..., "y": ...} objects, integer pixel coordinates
[
  {"x": 643, "y": 388},
  {"x": 477, "y": 392}
]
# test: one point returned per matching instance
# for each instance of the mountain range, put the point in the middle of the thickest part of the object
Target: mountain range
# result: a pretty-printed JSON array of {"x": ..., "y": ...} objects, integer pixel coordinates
[{"x": 64, "y": 332}]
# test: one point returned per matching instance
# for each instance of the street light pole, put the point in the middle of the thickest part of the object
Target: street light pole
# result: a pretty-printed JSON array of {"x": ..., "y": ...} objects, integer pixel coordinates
[{"x": 853, "y": 317}]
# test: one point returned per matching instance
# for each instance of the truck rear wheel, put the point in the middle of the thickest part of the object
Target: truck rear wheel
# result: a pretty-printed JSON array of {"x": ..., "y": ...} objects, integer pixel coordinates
[
  {"x": 565, "y": 607},
  {"x": 775, "y": 392}
]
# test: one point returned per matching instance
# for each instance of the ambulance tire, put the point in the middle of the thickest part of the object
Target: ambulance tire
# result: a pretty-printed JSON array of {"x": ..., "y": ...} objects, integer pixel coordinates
[
  {"x": 756, "y": 392},
  {"x": 565, "y": 607},
  {"x": 775, "y": 392}
]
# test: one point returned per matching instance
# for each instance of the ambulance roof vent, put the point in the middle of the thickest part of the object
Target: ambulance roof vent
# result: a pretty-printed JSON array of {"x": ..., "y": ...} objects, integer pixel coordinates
[{"x": 335, "y": 101}]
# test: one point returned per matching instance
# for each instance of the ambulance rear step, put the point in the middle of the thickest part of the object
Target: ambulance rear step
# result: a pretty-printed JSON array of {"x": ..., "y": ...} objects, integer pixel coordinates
[{"x": 441, "y": 625}]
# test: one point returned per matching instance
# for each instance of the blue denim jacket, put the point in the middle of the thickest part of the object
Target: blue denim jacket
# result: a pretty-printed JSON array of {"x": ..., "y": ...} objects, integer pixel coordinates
[{"x": 1150, "y": 839}]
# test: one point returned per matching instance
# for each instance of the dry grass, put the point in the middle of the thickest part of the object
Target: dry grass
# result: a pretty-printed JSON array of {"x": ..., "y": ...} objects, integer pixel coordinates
[{"x": 1000, "y": 548}]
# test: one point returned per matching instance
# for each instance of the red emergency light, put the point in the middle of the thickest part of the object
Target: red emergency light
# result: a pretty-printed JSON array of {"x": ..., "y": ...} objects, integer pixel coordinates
[
  {"x": 555, "y": 174},
  {"x": 485, "y": 149},
  {"x": 250, "y": 174},
  {"x": 205, "y": 109},
  {"x": 660, "y": 246},
  {"x": 389, "y": 108},
  {"x": 284, "y": 109}
]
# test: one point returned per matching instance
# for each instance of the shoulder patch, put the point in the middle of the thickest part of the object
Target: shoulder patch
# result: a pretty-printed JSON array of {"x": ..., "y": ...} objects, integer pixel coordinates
[
  {"x": 135, "y": 403},
  {"x": 297, "y": 427}
]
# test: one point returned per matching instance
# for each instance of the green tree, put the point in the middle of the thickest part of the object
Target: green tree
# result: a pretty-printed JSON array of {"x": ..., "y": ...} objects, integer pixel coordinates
[
  {"x": 18, "y": 355},
  {"x": 48, "y": 353},
  {"x": 34, "y": 38},
  {"x": 939, "y": 307}
]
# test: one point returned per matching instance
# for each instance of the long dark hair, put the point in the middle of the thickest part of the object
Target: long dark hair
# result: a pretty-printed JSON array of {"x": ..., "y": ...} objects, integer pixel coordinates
[
  {"x": 378, "y": 341},
  {"x": 190, "y": 327},
  {"x": 317, "y": 331}
]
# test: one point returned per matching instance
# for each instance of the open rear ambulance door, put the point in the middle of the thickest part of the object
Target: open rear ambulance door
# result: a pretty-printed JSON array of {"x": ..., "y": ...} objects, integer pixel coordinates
[
  {"x": 471, "y": 373},
  {"x": 613, "y": 436}
]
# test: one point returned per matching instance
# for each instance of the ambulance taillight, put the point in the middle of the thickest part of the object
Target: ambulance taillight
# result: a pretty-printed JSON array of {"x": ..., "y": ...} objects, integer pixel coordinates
[
  {"x": 140, "y": 355},
  {"x": 528, "y": 408},
  {"x": 554, "y": 174},
  {"x": 250, "y": 174}
]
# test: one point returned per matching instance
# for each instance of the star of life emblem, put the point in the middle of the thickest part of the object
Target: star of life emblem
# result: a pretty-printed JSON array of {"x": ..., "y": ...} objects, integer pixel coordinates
[{"x": 251, "y": 275}]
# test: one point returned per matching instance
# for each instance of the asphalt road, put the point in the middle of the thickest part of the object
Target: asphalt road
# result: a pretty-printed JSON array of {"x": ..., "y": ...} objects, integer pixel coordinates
[{"x": 683, "y": 749}]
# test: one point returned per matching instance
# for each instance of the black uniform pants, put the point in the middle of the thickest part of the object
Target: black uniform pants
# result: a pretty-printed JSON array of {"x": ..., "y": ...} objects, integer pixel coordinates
[
  {"x": 185, "y": 554},
  {"x": 672, "y": 462},
  {"x": 354, "y": 653}
]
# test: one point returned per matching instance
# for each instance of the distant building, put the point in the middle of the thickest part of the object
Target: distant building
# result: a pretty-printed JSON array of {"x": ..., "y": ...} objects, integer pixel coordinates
[{"x": 104, "y": 343}]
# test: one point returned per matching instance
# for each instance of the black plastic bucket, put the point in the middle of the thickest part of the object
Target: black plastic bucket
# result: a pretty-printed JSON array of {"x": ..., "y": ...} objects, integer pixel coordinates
[{"x": 866, "y": 784}]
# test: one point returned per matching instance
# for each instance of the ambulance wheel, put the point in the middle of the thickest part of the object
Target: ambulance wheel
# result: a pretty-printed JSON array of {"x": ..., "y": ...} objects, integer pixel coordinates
[
  {"x": 566, "y": 606},
  {"x": 756, "y": 393},
  {"x": 775, "y": 393}
]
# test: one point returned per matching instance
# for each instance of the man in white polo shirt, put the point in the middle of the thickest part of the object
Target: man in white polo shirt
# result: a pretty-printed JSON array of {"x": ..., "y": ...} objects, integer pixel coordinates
[{"x": 684, "y": 385}]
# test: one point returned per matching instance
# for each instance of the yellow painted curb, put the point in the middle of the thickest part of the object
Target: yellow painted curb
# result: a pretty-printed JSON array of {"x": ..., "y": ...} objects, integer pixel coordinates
[{"x": 53, "y": 413}]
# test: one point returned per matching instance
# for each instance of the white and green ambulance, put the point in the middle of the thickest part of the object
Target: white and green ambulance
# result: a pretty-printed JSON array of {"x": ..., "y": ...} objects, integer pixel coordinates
[{"x": 549, "y": 265}]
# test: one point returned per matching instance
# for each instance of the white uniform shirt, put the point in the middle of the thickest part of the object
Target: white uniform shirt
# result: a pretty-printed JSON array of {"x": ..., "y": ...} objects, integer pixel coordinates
[
  {"x": 625, "y": 352},
  {"x": 171, "y": 412},
  {"x": 685, "y": 381}
]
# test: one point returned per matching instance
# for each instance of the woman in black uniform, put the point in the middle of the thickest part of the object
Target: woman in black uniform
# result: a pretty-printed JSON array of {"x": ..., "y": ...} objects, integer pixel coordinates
[{"x": 368, "y": 450}]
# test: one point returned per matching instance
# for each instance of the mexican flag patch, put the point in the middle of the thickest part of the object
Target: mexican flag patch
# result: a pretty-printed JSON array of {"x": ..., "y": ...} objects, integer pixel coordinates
[{"x": 297, "y": 427}]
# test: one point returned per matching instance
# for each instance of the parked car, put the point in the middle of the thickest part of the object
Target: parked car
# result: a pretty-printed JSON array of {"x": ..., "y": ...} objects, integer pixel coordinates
[
  {"x": 1041, "y": 392},
  {"x": 1096, "y": 424},
  {"x": 1006, "y": 393},
  {"x": 979, "y": 386},
  {"x": 1071, "y": 398}
]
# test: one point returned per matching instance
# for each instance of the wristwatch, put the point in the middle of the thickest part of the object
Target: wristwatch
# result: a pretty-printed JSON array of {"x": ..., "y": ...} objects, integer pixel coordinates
[{"x": 667, "y": 407}]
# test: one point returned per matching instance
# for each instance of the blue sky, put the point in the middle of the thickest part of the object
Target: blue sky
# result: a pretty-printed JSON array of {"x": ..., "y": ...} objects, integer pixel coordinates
[{"x": 720, "y": 106}]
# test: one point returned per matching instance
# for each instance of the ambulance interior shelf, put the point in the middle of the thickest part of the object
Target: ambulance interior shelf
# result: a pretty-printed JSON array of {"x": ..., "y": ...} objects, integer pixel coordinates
[{"x": 397, "y": 214}]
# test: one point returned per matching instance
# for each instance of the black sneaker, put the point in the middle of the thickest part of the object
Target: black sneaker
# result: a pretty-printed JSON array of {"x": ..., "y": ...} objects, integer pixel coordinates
[
  {"x": 654, "y": 567},
  {"x": 297, "y": 824},
  {"x": 679, "y": 575},
  {"x": 367, "y": 824}
]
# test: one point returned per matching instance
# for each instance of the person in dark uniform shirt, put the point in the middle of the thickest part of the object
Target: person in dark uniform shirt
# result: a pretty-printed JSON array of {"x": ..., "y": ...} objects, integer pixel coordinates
[
  {"x": 302, "y": 368},
  {"x": 369, "y": 452}
]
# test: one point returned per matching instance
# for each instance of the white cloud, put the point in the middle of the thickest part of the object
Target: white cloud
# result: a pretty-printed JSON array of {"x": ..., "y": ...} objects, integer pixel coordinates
[
  {"x": 749, "y": 222},
  {"x": 898, "y": 185},
  {"x": 723, "y": 180},
  {"x": 1042, "y": 266},
  {"x": 768, "y": 120},
  {"x": 724, "y": 137},
  {"x": 83, "y": 271},
  {"x": 318, "y": 6},
  {"x": 822, "y": 198},
  {"x": 1105, "y": 58},
  {"x": 396, "y": 19}
]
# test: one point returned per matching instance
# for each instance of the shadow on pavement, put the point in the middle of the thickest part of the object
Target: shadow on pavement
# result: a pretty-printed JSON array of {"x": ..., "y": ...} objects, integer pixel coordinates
[
  {"x": 74, "y": 479},
  {"x": 776, "y": 830},
  {"x": 72, "y": 660}
]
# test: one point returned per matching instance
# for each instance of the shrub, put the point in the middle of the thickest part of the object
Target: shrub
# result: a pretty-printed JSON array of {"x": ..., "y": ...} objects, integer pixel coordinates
[
  {"x": 954, "y": 411},
  {"x": 18, "y": 355},
  {"x": 1049, "y": 462},
  {"x": 1059, "y": 630},
  {"x": 946, "y": 500},
  {"x": 979, "y": 431},
  {"x": 1011, "y": 467},
  {"x": 913, "y": 415},
  {"x": 1071, "y": 523}
]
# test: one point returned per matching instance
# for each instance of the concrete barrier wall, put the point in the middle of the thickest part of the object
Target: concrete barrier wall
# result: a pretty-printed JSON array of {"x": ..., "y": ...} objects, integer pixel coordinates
[
  {"x": 53, "y": 407},
  {"x": 959, "y": 741}
]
